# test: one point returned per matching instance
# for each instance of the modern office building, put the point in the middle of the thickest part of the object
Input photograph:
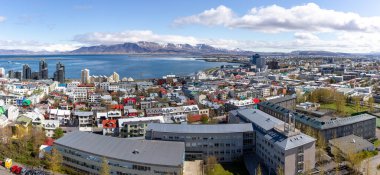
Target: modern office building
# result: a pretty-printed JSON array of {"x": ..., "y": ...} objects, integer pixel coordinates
[
  {"x": 84, "y": 153},
  {"x": 259, "y": 62},
  {"x": 85, "y": 76},
  {"x": 59, "y": 74},
  {"x": 363, "y": 125},
  {"x": 278, "y": 144},
  {"x": 43, "y": 70},
  {"x": 26, "y": 72},
  {"x": 18, "y": 75},
  {"x": 11, "y": 74},
  {"x": 227, "y": 142},
  {"x": 35, "y": 76}
]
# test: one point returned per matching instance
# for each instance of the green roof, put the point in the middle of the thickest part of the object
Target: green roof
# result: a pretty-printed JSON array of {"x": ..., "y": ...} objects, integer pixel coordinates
[{"x": 2, "y": 110}]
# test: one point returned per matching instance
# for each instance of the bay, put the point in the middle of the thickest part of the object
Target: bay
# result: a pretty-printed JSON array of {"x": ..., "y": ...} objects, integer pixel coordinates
[{"x": 137, "y": 67}]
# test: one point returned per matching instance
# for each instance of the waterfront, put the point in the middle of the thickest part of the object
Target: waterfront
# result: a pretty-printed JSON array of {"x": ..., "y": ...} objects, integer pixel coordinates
[{"x": 127, "y": 66}]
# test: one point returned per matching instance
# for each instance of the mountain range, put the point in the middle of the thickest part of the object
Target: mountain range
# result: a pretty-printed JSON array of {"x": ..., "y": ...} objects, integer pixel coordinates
[
  {"x": 144, "y": 47},
  {"x": 152, "y": 48}
]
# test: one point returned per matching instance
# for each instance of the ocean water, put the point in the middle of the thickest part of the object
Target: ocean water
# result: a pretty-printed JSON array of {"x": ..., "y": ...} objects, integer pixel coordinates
[{"x": 126, "y": 66}]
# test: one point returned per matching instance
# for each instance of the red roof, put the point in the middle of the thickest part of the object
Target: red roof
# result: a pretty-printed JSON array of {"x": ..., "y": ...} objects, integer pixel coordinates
[
  {"x": 117, "y": 107},
  {"x": 49, "y": 141},
  {"x": 194, "y": 118},
  {"x": 109, "y": 123}
]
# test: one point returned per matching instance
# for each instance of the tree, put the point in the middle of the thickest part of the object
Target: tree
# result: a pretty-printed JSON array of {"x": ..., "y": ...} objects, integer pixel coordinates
[
  {"x": 371, "y": 104},
  {"x": 210, "y": 164},
  {"x": 54, "y": 160},
  {"x": 212, "y": 167},
  {"x": 280, "y": 170},
  {"x": 258, "y": 170},
  {"x": 58, "y": 133},
  {"x": 357, "y": 103},
  {"x": 204, "y": 118},
  {"x": 105, "y": 168},
  {"x": 340, "y": 102}
]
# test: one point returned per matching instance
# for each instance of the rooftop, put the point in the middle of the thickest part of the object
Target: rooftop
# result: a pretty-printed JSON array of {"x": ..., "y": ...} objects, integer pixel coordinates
[
  {"x": 141, "y": 151},
  {"x": 199, "y": 129},
  {"x": 274, "y": 129},
  {"x": 351, "y": 144},
  {"x": 259, "y": 118},
  {"x": 315, "y": 121}
]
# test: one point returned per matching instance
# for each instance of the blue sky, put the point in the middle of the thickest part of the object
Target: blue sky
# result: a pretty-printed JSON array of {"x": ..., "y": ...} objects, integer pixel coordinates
[{"x": 340, "y": 25}]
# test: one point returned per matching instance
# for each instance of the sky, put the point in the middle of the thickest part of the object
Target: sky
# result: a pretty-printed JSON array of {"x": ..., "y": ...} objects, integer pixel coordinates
[{"x": 257, "y": 25}]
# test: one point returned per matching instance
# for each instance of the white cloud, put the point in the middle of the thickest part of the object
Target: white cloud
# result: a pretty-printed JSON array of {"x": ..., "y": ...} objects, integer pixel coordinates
[
  {"x": 217, "y": 16},
  {"x": 36, "y": 46},
  {"x": 2, "y": 18},
  {"x": 305, "y": 36},
  {"x": 309, "y": 17}
]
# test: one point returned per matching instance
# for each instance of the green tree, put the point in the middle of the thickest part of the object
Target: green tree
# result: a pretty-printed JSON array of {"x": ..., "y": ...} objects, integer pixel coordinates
[
  {"x": 212, "y": 167},
  {"x": 357, "y": 103},
  {"x": 105, "y": 168},
  {"x": 280, "y": 170},
  {"x": 258, "y": 170},
  {"x": 340, "y": 102},
  {"x": 204, "y": 118},
  {"x": 54, "y": 160},
  {"x": 58, "y": 133},
  {"x": 371, "y": 104}
]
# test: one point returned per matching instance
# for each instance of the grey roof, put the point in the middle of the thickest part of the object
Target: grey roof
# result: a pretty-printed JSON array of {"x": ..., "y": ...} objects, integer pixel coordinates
[
  {"x": 150, "y": 151},
  {"x": 282, "y": 99},
  {"x": 83, "y": 113},
  {"x": 351, "y": 144},
  {"x": 186, "y": 128},
  {"x": 318, "y": 122},
  {"x": 268, "y": 123},
  {"x": 287, "y": 143},
  {"x": 259, "y": 118}
]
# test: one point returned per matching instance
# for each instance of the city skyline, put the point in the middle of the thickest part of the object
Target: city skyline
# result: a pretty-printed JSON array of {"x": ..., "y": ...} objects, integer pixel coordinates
[{"x": 348, "y": 26}]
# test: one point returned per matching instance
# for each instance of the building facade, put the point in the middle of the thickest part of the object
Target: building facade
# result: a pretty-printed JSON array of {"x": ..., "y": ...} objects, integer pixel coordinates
[
  {"x": 227, "y": 142},
  {"x": 363, "y": 125},
  {"x": 279, "y": 145},
  {"x": 84, "y": 152}
]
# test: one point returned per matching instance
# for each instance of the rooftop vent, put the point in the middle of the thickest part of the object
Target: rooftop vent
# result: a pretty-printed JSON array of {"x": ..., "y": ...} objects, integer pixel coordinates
[{"x": 136, "y": 151}]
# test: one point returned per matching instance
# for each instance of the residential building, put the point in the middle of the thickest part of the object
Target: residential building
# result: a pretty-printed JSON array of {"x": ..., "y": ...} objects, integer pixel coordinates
[
  {"x": 26, "y": 72},
  {"x": 50, "y": 126},
  {"x": 59, "y": 74},
  {"x": 2, "y": 72},
  {"x": 86, "y": 120},
  {"x": 136, "y": 126},
  {"x": 63, "y": 116},
  {"x": 85, "y": 76},
  {"x": 43, "y": 70}
]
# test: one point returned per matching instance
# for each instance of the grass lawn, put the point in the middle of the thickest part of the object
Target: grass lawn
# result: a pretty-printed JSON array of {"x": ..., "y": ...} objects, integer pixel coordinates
[
  {"x": 219, "y": 170},
  {"x": 349, "y": 108}
]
